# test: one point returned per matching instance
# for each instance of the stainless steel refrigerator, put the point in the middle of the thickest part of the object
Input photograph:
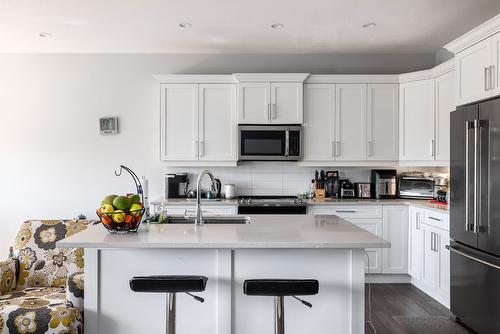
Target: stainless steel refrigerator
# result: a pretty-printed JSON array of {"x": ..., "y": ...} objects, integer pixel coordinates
[{"x": 475, "y": 216}]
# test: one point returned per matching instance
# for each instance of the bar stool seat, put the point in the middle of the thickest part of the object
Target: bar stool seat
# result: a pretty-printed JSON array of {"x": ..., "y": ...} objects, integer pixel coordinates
[
  {"x": 171, "y": 285},
  {"x": 280, "y": 287},
  {"x": 168, "y": 283}
]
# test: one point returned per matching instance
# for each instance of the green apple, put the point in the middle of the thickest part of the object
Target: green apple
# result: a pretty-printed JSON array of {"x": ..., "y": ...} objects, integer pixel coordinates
[
  {"x": 121, "y": 203},
  {"x": 135, "y": 198}
]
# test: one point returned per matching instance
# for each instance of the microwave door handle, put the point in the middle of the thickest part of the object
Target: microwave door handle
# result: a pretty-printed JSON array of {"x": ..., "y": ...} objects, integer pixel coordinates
[{"x": 287, "y": 143}]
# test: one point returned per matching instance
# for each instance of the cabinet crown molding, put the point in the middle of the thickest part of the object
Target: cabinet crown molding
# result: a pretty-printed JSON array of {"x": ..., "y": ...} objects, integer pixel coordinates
[
  {"x": 270, "y": 77},
  {"x": 195, "y": 78},
  {"x": 352, "y": 78},
  {"x": 432, "y": 73},
  {"x": 485, "y": 30}
]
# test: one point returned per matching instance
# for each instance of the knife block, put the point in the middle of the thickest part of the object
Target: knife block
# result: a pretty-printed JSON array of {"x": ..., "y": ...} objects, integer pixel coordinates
[{"x": 319, "y": 192}]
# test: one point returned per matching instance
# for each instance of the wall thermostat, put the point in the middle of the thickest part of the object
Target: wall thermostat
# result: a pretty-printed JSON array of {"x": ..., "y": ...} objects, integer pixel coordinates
[{"x": 108, "y": 125}]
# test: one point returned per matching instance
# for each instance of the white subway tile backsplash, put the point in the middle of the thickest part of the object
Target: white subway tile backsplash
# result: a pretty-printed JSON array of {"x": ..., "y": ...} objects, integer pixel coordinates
[{"x": 278, "y": 178}]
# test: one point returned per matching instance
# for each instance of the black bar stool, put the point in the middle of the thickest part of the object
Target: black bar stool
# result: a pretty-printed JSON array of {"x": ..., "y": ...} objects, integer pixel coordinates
[
  {"x": 279, "y": 288},
  {"x": 170, "y": 285}
]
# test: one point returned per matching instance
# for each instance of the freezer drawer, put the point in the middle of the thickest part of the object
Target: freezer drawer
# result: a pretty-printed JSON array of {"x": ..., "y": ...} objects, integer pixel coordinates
[{"x": 475, "y": 289}]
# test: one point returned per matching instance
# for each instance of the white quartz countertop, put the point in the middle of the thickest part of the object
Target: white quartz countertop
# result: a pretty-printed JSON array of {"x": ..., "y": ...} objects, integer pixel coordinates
[{"x": 264, "y": 231}]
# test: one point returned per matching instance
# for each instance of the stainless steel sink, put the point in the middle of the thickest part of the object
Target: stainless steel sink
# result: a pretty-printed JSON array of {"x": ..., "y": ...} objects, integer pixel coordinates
[{"x": 209, "y": 220}]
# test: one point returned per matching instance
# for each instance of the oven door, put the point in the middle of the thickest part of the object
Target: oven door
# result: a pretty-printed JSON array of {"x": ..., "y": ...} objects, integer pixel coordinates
[{"x": 269, "y": 142}]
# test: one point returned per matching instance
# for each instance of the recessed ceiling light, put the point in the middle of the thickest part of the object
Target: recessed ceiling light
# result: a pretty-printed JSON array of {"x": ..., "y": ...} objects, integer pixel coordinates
[
  {"x": 45, "y": 34},
  {"x": 277, "y": 25},
  {"x": 185, "y": 25},
  {"x": 369, "y": 25}
]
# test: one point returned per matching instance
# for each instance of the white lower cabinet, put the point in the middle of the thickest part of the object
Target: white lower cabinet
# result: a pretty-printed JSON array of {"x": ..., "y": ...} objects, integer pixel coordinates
[
  {"x": 429, "y": 260},
  {"x": 395, "y": 229},
  {"x": 373, "y": 259},
  {"x": 415, "y": 243}
]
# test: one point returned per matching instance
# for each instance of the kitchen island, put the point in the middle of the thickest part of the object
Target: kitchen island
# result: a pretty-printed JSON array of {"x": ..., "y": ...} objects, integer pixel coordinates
[{"x": 326, "y": 248}]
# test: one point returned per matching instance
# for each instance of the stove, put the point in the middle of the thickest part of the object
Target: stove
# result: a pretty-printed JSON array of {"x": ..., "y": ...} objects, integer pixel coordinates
[{"x": 269, "y": 205}]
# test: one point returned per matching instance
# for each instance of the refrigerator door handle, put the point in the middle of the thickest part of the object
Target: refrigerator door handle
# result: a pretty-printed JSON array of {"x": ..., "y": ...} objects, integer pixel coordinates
[
  {"x": 455, "y": 250},
  {"x": 468, "y": 125},
  {"x": 476, "y": 175}
]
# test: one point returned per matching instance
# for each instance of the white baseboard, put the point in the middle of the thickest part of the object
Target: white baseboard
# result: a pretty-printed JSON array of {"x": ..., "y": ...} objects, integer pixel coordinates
[
  {"x": 431, "y": 293},
  {"x": 387, "y": 278}
]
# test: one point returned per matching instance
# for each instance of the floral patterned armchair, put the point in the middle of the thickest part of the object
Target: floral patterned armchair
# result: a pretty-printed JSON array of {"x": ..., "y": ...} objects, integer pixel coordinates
[{"x": 41, "y": 286}]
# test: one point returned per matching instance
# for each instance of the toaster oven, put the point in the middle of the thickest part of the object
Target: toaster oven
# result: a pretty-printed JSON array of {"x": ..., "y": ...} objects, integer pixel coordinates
[{"x": 416, "y": 186}]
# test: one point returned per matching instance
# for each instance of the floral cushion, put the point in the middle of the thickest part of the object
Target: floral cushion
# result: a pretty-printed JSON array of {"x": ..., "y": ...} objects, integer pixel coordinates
[
  {"x": 75, "y": 289},
  {"x": 41, "y": 264},
  {"x": 37, "y": 311},
  {"x": 8, "y": 276}
]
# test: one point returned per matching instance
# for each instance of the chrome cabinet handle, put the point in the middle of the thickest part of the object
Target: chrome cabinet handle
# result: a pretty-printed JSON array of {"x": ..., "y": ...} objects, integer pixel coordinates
[
  {"x": 486, "y": 79},
  {"x": 269, "y": 111},
  {"x": 345, "y": 211},
  {"x": 196, "y": 149},
  {"x": 431, "y": 147},
  {"x": 432, "y": 241},
  {"x": 434, "y": 218},
  {"x": 332, "y": 144},
  {"x": 202, "y": 148},
  {"x": 417, "y": 224},
  {"x": 370, "y": 148},
  {"x": 275, "y": 113},
  {"x": 492, "y": 77},
  {"x": 337, "y": 148}
]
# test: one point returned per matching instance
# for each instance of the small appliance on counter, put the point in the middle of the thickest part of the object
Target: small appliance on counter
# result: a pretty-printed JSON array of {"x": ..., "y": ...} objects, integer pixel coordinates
[
  {"x": 346, "y": 189},
  {"x": 384, "y": 183},
  {"x": 416, "y": 185},
  {"x": 176, "y": 185},
  {"x": 363, "y": 190},
  {"x": 319, "y": 184},
  {"x": 443, "y": 195},
  {"x": 332, "y": 184},
  {"x": 229, "y": 191}
]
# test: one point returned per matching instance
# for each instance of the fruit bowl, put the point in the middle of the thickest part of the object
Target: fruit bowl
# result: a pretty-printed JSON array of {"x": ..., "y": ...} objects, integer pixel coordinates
[{"x": 121, "y": 221}]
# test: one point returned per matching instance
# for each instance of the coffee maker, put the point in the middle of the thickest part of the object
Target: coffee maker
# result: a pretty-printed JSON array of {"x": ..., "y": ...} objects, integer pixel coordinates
[
  {"x": 176, "y": 185},
  {"x": 384, "y": 182}
]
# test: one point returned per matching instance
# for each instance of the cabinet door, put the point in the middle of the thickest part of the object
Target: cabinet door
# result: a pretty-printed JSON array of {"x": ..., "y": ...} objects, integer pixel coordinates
[
  {"x": 431, "y": 257},
  {"x": 443, "y": 282},
  {"x": 495, "y": 46},
  {"x": 373, "y": 264},
  {"x": 287, "y": 103},
  {"x": 445, "y": 104},
  {"x": 395, "y": 229},
  {"x": 472, "y": 65},
  {"x": 319, "y": 103},
  {"x": 217, "y": 122},
  {"x": 416, "y": 121},
  {"x": 415, "y": 240},
  {"x": 350, "y": 122},
  {"x": 254, "y": 103},
  {"x": 179, "y": 122},
  {"x": 382, "y": 122}
]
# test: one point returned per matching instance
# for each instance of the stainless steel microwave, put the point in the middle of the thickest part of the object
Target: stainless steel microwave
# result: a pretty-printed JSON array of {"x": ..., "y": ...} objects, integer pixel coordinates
[{"x": 270, "y": 142}]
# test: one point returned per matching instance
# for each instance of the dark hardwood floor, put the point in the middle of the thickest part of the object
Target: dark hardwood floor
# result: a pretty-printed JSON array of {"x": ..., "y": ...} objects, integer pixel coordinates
[{"x": 404, "y": 309}]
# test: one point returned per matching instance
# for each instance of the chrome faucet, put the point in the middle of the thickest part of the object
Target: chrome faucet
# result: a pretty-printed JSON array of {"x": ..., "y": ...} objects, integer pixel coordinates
[{"x": 199, "y": 218}]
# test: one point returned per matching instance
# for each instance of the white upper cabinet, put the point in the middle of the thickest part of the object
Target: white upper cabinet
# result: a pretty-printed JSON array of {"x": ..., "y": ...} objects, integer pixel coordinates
[
  {"x": 217, "y": 122},
  {"x": 198, "y": 124},
  {"x": 319, "y": 105},
  {"x": 495, "y": 69},
  {"x": 473, "y": 65},
  {"x": 270, "y": 103},
  {"x": 382, "y": 122},
  {"x": 445, "y": 104},
  {"x": 350, "y": 122},
  {"x": 416, "y": 121},
  {"x": 254, "y": 103},
  {"x": 287, "y": 103},
  {"x": 179, "y": 122}
]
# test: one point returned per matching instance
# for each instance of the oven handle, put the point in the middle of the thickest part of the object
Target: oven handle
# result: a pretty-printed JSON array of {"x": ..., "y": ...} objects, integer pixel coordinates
[{"x": 470, "y": 257}]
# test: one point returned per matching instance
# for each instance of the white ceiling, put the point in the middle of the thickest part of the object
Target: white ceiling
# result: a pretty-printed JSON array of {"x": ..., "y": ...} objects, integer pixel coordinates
[{"x": 237, "y": 26}]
